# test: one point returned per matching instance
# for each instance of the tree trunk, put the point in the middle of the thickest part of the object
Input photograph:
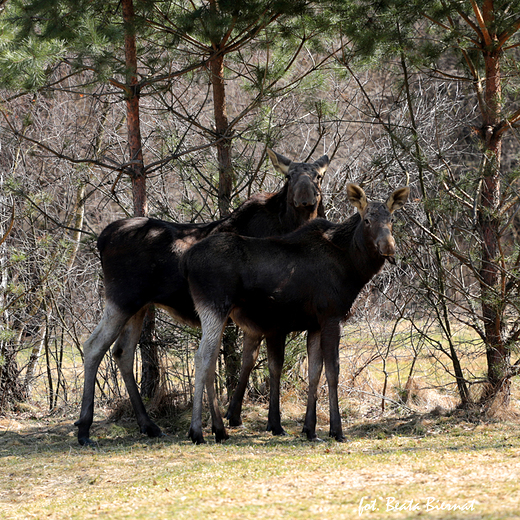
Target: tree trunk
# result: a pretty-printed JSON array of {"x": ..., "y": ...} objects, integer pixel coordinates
[
  {"x": 150, "y": 372},
  {"x": 232, "y": 358},
  {"x": 11, "y": 390},
  {"x": 10, "y": 387},
  {"x": 225, "y": 166},
  {"x": 498, "y": 355},
  {"x": 136, "y": 164},
  {"x": 149, "y": 354}
]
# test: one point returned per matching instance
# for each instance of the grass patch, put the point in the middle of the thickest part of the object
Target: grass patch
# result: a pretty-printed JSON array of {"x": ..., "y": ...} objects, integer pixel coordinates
[
  {"x": 394, "y": 468},
  {"x": 399, "y": 461}
]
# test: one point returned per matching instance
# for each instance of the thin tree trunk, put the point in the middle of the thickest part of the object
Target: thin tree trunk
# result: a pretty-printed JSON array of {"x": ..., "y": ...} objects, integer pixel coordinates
[
  {"x": 136, "y": 164},
  {"x": 36, "y": 353},
  {"x": 150, "y": 372},
  {"x": 149, "y": 365},
  {"x": 232, "y": 358},
  {"x": 498, "y": 356},
  {"x": 10, "y": 388},
  {"x": 225, "y": 166}
]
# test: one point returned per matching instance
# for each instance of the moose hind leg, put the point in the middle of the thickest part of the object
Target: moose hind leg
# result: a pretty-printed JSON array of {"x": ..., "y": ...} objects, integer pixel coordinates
[
  {"x": 249, "y": 356},
  {"x": 205, "y": 359},
  {"x": 330, "y": 336},
  {"x": 217, "y": 424},
  {"x": 275, "y": 355},
  {"x": 94, "y": 349},
  {"x": 123, "y": 353},
  {"x": 315, "y": 363}
]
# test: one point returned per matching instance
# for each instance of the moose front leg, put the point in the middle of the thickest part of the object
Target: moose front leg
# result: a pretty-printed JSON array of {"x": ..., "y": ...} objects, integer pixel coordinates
[
  {"x": 330, "y": 336},
  {"x": 315, "y": 366},
  {"x": 94, "y": 349},
  {"x": 275, "y": 356}
]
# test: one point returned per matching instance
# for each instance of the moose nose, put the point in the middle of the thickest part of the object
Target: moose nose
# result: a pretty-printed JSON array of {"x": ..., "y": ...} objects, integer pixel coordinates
[
  {"x": 305, "y": 202},
  {"x": 305, "y": 194},
  {"x": 304, "y": 198},
  {"x": 386, "y": 245}
]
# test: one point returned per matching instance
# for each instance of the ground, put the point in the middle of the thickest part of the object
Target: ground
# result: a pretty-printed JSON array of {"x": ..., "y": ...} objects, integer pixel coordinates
[{"x": 391, "y": 467}]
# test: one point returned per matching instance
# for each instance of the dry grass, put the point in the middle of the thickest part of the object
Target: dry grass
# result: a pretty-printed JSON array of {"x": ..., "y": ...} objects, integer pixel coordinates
[
  {"x": 414, "y": 460},
  {"x": 418, "y": 459}
]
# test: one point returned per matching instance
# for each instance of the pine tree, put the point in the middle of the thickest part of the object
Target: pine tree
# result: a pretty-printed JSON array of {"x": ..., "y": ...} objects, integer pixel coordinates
[
  {"x": 107, "y": 39},
  {"x": 484, "y": 37}
]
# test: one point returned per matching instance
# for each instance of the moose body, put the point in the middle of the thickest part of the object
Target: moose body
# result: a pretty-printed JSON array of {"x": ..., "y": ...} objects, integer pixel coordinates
[
  {"x": 140, "y": 261},
  {"x": 307, "y": 280}
]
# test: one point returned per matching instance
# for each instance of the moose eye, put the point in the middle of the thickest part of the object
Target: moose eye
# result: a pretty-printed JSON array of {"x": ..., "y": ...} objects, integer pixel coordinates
[{"x": 367, "y": 222}]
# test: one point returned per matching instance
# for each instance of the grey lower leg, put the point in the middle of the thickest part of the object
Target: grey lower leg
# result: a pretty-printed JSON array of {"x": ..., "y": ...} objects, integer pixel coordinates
[
  {"x": 124, "y": 353},
  {"x": 94, "y": 349},
  {"x": 212, "y": 328}
]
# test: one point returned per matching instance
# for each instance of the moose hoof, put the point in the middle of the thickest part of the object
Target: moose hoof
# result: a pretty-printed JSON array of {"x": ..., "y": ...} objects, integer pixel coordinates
[
  {"x": 310, "y": 433},
  {"x": 338, "y": 436},
  {"x": 279, "y": 432},
  {"x": 221, "y": 435},
  {"x": 152, "y": 430},
  {"x": 312, "y": 437},
  {"x": 86, "y": 441},
  {"x": 196, "y": 437},
  {"x": 234, "y": 421},
  {"x": 83, "y": 434},
  {"x": 275, "y": 429}
]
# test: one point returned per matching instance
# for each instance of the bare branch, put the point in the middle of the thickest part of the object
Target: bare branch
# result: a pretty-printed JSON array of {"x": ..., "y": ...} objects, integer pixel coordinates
[{"x": 10, "y": 227}]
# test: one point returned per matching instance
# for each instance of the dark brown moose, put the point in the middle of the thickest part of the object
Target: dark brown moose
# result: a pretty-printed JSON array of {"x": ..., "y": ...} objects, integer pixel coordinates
[
  {"x": 307, "y": 280},
  {"x": 140, "y": 260}
]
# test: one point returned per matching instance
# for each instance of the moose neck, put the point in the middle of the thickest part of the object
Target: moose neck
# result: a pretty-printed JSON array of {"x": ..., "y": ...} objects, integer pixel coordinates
[{"x": 296, "y": 217}]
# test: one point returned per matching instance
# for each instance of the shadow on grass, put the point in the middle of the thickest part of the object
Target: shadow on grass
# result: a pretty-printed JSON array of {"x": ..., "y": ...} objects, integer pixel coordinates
[{"x": 457, "y": 429}]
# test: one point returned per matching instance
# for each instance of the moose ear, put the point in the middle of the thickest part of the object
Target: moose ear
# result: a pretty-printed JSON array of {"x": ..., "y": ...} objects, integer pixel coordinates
[
  {"x": 280, "y": 162},
  {"x": 322, "y": 164},
  {"x": 357, "y": 197},
  {"x": 397, "y": 199}
]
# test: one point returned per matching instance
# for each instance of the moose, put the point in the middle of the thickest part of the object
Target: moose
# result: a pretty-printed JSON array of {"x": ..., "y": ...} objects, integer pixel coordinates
[
  {"x": 140, "y": 262},
  {"x": 306, "y": 280}
]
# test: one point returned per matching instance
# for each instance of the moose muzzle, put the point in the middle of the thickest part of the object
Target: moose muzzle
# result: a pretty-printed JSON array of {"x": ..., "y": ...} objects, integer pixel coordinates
[
  {"x": 305, "y": 194},
  {"x": 386, "y": 245}
]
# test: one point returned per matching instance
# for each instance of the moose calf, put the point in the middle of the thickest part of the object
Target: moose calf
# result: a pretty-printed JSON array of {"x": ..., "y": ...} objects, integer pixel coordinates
[{"x": 307, "y": 280}]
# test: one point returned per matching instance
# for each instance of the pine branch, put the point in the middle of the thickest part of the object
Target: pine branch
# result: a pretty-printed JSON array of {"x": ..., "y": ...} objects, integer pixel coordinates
[{"x": 481, "y": 22}]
